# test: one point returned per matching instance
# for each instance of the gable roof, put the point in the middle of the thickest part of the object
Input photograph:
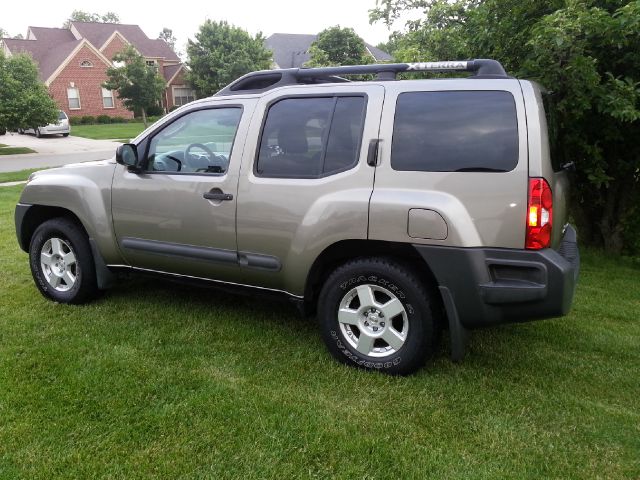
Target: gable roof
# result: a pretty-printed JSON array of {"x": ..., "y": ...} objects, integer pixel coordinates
[
  {"x": 99, "y": 33},
  {"x": 50, "y": 48},
  {"x": 170, "y": 71},
  {"x": 291, "y": 50}
]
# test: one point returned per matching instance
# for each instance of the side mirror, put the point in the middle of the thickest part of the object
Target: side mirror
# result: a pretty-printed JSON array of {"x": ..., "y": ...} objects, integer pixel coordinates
[{"x": 127, "y": 155}]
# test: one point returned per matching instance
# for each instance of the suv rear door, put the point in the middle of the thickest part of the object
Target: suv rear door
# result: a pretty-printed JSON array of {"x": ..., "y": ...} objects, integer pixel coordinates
[
  {"x": 305, "y": 183},
  {"x": 453, "y": 164}
]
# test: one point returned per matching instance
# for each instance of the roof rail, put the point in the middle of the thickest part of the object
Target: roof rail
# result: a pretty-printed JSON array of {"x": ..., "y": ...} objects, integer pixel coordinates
[{"x": 258, "y": 82}]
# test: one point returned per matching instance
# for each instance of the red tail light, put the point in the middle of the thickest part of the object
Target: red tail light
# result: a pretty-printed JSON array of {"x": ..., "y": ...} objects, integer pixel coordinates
[{"x": 539, "y": 214}]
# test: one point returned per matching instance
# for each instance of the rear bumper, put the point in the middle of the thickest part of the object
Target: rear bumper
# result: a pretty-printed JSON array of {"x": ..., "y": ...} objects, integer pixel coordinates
[{"x": 489, "y": 286}]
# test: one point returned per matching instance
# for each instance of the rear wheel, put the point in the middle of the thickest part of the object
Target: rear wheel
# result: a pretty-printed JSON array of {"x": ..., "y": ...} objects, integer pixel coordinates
[
  {"x": 376, "y": 314},
  {"x": 62, "y": 263},
  {"x": 65, "y": 134}
]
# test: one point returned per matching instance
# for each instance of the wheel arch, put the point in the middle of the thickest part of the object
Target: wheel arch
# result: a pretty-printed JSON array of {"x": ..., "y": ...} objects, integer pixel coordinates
[
  {"x": 343, "y": 251},
  {"x": 28, "y": 221}
]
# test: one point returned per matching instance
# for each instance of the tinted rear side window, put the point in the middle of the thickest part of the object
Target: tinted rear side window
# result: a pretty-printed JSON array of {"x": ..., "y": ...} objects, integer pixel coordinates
[
  {"x": 455, "y": 132},
  {"x": 311, "y": 137}
]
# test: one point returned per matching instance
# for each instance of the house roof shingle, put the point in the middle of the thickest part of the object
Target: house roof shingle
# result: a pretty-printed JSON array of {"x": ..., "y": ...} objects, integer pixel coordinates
[
  {"x": 50, "y": 48},
  {"x": 291, "y": 50},
  {"x": 99, "y": 33},
  {"x": 170, "y": 71}
]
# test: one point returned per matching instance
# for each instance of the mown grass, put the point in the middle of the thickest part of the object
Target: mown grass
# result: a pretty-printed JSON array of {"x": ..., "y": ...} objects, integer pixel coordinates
[
  {"x": 108, "y": 131},
  {"x": 6, "y": 150},
  {"x": 17, "y": 176},
  {"x": 166, "y": 381}
]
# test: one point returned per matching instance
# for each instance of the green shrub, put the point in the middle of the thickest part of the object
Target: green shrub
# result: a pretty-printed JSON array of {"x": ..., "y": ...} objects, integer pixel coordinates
[
  {"x": 119, "y": 120},
  {"x": 87, "y": 120},
  {"x": 75, "y": 120},
  {"x": 103, "y": 119}
]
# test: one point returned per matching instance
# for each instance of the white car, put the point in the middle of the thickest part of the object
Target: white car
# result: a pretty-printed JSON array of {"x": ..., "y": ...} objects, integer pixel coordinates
[{"x": 62, "y": 127}]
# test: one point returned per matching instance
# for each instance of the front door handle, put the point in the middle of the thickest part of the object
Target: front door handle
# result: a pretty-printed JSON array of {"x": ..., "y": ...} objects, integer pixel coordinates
[{"x": 217, "y": 194}]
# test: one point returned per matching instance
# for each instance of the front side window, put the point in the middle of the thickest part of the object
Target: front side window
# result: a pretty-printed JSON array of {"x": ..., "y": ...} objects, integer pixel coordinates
[
  {"x": 199, "y": 142},
  {"x": 311, "y": 137},
  {"x": 74, "y": 98},
  {"x": 458, "y": 131},
  {"x": 107, "y": 98}
]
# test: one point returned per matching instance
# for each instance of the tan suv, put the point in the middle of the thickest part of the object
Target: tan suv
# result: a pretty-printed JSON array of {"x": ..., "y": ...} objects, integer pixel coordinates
[{"x": 388, "y": 208}]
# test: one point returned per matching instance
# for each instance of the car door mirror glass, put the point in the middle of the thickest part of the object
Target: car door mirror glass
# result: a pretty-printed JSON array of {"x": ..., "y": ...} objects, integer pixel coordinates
[{"x": 127, "y": 154}]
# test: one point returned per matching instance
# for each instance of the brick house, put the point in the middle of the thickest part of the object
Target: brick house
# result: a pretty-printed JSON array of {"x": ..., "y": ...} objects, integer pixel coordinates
[{"x": 73, "y": 62}]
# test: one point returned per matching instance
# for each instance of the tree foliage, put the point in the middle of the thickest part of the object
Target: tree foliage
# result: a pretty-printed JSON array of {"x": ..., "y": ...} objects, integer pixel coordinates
[
  {"x": 167, "y": 35},
  {"x": 138, "y": 85},
  {"x": 82, "y": 16},
  {"x": 338, "y": 46},
  {"x": 221, "y": 53},
  {"x": 586, "y": 53},
  {"x": 24, "y": 100}
]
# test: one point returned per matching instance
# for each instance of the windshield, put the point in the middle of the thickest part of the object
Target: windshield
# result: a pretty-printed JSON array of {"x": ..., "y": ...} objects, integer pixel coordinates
[{"x": 62, "y": 115}]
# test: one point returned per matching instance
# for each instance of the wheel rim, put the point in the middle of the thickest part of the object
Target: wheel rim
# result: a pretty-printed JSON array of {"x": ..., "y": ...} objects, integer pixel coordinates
[
  {"x": 373, "y": 320},
  {"x": 59, "y": 266}
]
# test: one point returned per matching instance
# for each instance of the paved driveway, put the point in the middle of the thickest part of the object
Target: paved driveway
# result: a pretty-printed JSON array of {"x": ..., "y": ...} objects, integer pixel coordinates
[
  {"x": 56, "y": 144},
  {"x": 53, "y": 151}
]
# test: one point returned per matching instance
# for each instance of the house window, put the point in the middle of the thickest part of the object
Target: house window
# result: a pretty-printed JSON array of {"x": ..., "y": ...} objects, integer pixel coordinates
[
  {"x": 107, "y": 98},
  {"x": 74, "y": 98},
  {"x": 182, "y": 96},
  {"x": 153, "y": 64},
  {"x": 86, "y": 64}
]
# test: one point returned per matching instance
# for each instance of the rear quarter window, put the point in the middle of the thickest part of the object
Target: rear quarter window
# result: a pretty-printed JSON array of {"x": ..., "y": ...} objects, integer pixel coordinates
[{"x": 455, "y": 131}]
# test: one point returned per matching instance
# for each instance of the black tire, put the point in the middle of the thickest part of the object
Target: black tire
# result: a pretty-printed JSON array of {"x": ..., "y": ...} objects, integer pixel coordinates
[
  {"x": 379, "y": 275},
  {"x": 85, "y": 286},
  {"x": 65, "y": 134},
  {"x": 38, "y": 134}
]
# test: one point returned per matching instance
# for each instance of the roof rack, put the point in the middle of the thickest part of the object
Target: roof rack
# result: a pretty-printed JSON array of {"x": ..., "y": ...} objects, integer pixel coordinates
[{"x": 258, "y": 82}]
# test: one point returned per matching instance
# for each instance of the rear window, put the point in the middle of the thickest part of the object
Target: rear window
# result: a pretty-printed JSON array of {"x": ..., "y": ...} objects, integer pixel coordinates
[
  {"x": 455, "y": 132},
  {"x": 311, "y": 137},
  {"x": 62, "y": 115}
]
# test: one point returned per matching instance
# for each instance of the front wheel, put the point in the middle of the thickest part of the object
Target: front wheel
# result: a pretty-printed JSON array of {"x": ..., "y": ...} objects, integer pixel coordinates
[
  {"x": 376, "y": 314},
  {"x": 62, "y": 263}
]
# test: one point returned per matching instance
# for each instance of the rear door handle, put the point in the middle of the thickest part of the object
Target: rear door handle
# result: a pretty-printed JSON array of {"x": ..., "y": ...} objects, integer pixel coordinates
[
  {"x": 217, "y": 195},
  {"x": 372, "y": 153}
]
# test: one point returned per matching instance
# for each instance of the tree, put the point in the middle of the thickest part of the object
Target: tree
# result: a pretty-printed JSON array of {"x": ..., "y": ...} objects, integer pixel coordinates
[
  {"x": 221, "y": 53},
  {"x": 3, "y": 33},
  {"x": 24, "y": 100},
  {"x": 82, "y": 16},
  {"x": 586, "y": 54},
  {"x": 138, "y": 85},
  {"x": 167, "y": 35},
  {"x": 338, "y": 46}
]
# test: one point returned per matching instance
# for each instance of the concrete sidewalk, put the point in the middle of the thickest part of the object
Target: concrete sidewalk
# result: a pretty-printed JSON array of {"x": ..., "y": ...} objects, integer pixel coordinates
[
  {"x": 13, "y": 163},
  {"x": 53, "y": 151}
]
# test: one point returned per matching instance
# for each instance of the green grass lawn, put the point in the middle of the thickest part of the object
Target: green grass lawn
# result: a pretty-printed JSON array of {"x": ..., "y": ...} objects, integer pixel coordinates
[
  {"x": 165, "y": 381},
  {"x": 119, "y": 131},
  {"x": 18, "y": 176},
  {"x": 7, "y": 150}
]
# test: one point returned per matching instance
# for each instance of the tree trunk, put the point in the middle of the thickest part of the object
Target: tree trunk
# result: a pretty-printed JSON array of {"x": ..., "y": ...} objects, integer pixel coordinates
[
  {"x": 611, "y": 227},
  {"x": 144, "y": 117}
]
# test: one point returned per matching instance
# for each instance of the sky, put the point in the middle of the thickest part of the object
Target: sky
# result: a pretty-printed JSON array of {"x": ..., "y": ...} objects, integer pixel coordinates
[{"x": 185, "y": 16}]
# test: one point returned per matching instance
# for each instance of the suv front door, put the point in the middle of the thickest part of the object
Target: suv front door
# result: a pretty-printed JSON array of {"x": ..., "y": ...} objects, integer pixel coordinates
[{"x": 178, "y": 214}]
